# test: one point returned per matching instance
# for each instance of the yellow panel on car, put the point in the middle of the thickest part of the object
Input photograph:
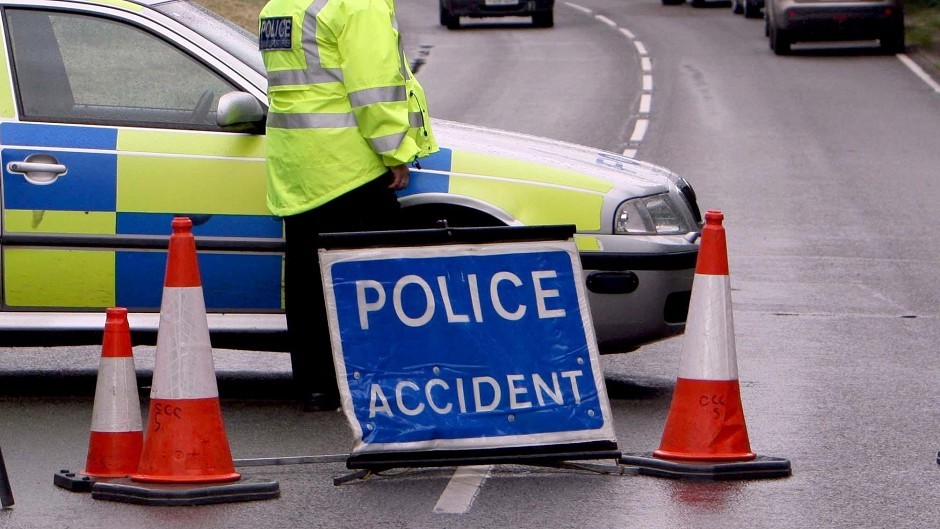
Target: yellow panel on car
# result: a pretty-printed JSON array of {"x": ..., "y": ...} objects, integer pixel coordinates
[
  {"x": 486, "y": 165},
  {"x": 58, "y": 278},
  {"x": 533, "y": 204},
  {"x": 155, "y": 184},
  {"x": 587, "y": 243},
  {"x": 48, "y": 221},
  {"x": 194, "y": 143}
]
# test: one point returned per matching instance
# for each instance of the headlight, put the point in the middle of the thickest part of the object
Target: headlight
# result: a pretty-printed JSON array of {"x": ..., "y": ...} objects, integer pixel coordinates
[{"x": 653, "y": 215}]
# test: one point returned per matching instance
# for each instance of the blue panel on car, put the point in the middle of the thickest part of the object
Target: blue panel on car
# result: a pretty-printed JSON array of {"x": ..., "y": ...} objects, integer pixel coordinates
[
  {"x": 254, "y": 226},
  {"x": 439, "y": 161},
  {"x": 90, "y": 183},
  {"x": 37, "y": 135},
  {"x": 229, "y": 281},
  {"x": 423, "y": 181}
]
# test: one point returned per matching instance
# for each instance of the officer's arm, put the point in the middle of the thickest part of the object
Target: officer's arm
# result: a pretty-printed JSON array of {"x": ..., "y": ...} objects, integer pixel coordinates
[{"x": 374, "y": 77}]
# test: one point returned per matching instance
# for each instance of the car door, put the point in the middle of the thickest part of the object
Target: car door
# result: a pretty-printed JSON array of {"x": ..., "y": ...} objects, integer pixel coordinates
[{"x": 111, "y": 134}]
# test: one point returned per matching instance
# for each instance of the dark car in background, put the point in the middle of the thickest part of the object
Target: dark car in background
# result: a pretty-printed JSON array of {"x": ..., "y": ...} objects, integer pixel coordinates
[
  {"x": 790, "y": 21},
  {"x": 541, "y": 11},
  {"x": 748, "y": 8}
]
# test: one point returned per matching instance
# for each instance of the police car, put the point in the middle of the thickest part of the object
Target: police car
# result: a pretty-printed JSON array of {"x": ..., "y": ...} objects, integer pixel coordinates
[{"x": 117, "y": 115}]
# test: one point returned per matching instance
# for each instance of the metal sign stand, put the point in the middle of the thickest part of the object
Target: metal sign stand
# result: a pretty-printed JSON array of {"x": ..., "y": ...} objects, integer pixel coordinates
[{"x": 6, "y": 493}]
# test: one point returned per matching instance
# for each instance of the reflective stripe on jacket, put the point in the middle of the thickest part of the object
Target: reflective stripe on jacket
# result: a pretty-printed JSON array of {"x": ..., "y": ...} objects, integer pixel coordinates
[{"x": 343, "y": 103}]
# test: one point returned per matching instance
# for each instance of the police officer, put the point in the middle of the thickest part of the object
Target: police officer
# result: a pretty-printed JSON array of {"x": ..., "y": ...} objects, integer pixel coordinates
[{"x": 346, "y": 117}]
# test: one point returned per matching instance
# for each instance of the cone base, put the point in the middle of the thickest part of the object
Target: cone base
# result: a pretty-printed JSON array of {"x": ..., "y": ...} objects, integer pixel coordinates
[
  {"x": 704, "y": 458},
  {"x": 761, "y": 467},
  {"x": 169, "y": 480},
  {"x": 127, "y": 491},
  {"x": 73, "y": 481}
]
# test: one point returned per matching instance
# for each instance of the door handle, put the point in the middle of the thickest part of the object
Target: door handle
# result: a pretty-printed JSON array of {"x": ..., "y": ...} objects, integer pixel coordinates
[{"x": 39, "y": 169}]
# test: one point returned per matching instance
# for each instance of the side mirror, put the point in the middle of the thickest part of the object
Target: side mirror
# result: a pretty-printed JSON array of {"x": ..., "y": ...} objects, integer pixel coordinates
[{"x": 240, "y": 110}]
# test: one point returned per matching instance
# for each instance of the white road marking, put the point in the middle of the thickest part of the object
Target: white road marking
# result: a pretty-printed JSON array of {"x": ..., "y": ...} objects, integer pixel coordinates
[
  {"x": 646, "y": 98},
  {"x": 639, "y": 130},
  {"x": 463, "y": 487},
  {"x": 579, "y": 8},
  {"x": 919, "y": 72}
]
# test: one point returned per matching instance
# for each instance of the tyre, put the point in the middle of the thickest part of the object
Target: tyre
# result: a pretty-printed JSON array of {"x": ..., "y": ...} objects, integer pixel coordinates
[
  {"x": 447, "y": 19},
  {"x": 751, "y": 9},
  {"x": 779, "y": 41},
  {"x": 736, "y": 7},
  {"x": 545, "y": 19},
  {"x": 892, "y": 42},
  {"x": 673, "y": 2},
  {"x": 698, "y": 3}
]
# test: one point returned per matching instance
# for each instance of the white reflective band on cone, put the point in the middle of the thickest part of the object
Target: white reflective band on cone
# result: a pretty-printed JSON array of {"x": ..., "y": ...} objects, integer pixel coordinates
[
  {"x": 708, "y": 349},
  {"x": 117, "y": 405},
  {"x": 183, "y": 367}
]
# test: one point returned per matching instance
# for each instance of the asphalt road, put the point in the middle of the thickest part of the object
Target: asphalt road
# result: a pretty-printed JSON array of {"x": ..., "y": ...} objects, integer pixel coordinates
[{"x": 824, "y": 164}]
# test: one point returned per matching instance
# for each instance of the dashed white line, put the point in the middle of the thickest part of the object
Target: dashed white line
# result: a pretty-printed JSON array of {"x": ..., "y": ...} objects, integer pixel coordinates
[
  {"x": 462, "y": 489},
  {"x": 579, "y": 8},
  {"x": 646, "y": 98},
  {"x": 919, "y": 72},
  {"x": 639, "y": 130}
]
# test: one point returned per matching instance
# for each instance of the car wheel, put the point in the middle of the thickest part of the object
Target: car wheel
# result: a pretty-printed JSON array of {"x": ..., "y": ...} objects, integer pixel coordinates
[
  {"x": 447, "y": 19},
  {"x": 673, "y": 2},
  {"x": 750, "y": 9},
  {"x": 779, "y": 41},
  {"x": 892, "y": 42},
  {"x": 698, "y": 3},
  {"x": 545, "y": 19},
  {"x": 736, "y": 7}
]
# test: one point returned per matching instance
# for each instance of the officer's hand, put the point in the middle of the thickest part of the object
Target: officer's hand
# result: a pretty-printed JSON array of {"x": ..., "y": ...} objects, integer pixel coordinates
[{"x": 399, "y": 177}]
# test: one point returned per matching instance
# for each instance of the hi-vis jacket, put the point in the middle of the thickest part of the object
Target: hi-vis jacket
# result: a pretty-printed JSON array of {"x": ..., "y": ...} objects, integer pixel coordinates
[{"x": 343, "y": 103}]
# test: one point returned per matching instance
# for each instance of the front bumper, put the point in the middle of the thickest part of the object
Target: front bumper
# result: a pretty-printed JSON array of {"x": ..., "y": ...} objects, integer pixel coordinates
[{"x": 637, "y": 299}]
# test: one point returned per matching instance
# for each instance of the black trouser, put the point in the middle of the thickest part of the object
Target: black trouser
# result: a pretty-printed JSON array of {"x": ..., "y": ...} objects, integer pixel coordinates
[{"x": 371, "y": 207}]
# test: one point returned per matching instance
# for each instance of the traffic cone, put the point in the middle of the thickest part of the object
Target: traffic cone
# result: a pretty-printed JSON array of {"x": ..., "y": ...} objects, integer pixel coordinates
[
  {"x": 185, "y": 441},
  {"x": 705, "y": 433},
  {"x": 116, "y": 428}
]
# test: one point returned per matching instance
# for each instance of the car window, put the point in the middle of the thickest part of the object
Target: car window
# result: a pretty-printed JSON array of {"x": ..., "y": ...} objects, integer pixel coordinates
[{"x": 77, "y": 68}]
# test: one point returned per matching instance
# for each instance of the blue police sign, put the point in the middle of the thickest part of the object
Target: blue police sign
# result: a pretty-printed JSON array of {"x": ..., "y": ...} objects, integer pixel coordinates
[{"x": 465, "y": 346}]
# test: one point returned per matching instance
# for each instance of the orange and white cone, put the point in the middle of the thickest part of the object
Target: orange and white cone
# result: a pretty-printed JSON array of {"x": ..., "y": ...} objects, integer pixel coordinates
[
  {"x": 185, "y": 441},
  {"x": 116, "y": 427},
  {"x": 705, "y": 433}
]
